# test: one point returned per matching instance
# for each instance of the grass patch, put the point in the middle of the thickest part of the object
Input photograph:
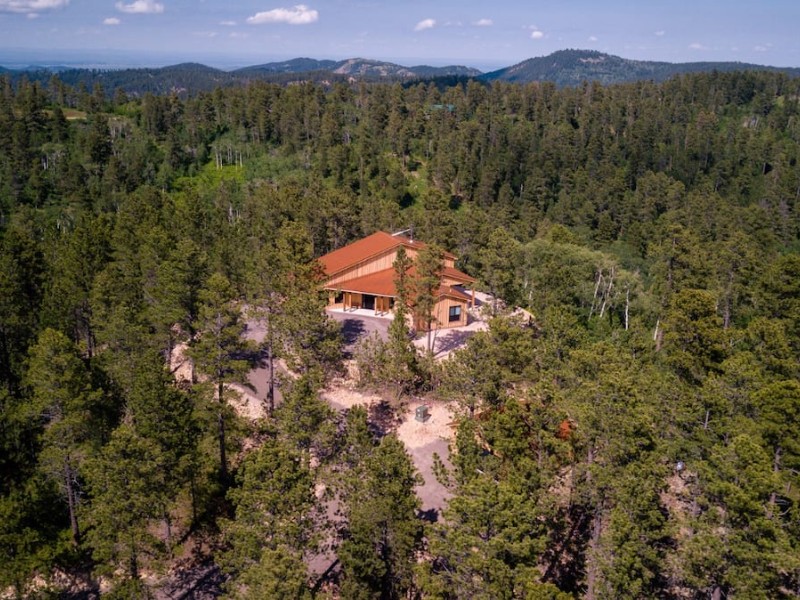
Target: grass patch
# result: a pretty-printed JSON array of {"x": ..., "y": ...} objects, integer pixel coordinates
[
  {"x": 73, "y": 114},
  {"x": 210, "y": 177},
  {"x": 70, "y": 114},
  {"x": 418, "y": 184},
  {"x": 274, "y": 166}
]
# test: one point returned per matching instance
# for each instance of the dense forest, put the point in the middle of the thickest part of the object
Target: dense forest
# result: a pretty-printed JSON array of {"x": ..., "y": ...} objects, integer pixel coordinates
[{"x": 638, "y": 439}]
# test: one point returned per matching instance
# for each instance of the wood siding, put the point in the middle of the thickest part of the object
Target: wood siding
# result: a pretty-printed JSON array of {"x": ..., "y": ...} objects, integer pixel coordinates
[
  {"x": 441, "y": 313},
  {"x": 365, "y": 267}
]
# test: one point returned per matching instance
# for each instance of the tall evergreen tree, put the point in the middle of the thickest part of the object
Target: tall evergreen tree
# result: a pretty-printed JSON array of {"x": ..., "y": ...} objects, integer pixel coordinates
[
  {"x": 499, "y": 261},
  {"x": 129, "y": 483},
  {"x": 382, "y": 529},
  {"x": 311, "y": 340},
  {"x": 693, "y": 334},
  {"x": 68, "y": 407},
  {"x": 429, "y": 263},
  {"x": 401, "y": 356},
  {"x": 218, "y": 350},
  {"x": 267, "y": 302},
  {"x": 161, "y": 413},
  {"x": 275, "y": 517}
]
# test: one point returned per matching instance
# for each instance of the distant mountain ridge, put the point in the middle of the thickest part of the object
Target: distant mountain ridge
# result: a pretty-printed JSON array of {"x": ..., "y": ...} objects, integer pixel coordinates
[
  {"x": 358, "y": 67},
  {"x": 296, "y": 65},
  {"x": 572, "y": 67},
  {"x": 564, "y": 68}
]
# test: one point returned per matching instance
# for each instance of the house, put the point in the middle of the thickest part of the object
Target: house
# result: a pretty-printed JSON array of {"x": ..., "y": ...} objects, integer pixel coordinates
[{"x": 361, "y": 276}]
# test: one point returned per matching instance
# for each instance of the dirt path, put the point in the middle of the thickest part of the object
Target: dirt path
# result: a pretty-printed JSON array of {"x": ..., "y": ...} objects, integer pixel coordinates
[
  {"x": 422, "y": 440},
  {"x": 446, "y": 341},
  {"x": 357, "y": 326}
]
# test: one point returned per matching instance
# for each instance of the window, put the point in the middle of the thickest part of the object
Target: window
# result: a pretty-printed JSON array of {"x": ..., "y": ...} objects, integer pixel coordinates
[{"x": 455, "y": 314}]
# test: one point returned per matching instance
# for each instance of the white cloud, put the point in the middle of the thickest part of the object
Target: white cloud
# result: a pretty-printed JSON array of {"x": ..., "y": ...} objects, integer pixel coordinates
[
  {"x": 592, "y": 38},
  {"x": 760, "y": 48},
  {"x": 425, "y": 24},
  {"x": 697, "y": 46},
  {"x": 297, "y": 15},
  {"x": 238, "y": 35},
  {"x": 30, "y": 7},
  {"x": 227, "y": 23},
  {"x": 484, "y": 23},
  {"x": 660, "y": 33},
  {"x": 536, "y": 34},
  {"x": 111, "y": 21},
  {"x": 141, "y": 7}
]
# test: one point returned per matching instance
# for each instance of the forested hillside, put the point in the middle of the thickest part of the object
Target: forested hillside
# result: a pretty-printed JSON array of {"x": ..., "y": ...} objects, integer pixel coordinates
[
  {"x": 571, "y": 67},
  {"x": 564, "y": 68},
  {"x": 189, "y": 79},
  {"x": 638, "y": 439}
]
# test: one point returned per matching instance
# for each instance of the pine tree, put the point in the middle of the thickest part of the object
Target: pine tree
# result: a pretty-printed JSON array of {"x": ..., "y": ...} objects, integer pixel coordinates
[
  {"x": 496, "y": 526},
  {"x": 67, "y": 406},
  {"x": 274, "y": 525},
  {"x": 499, "y": 260},
  {"x": 401, "y": 356},
  {"x": 382, "y": 531},
  {"x": 778, "y": 418},
  {"x": 693, "y": 334},
  {"x": 279, "y": 573},
  {"x": 734, "y": 546},
  {"x": 171, "y": 294},
  {"x": 305, "y": 421},
  {"x": 22, "y": 269},
  {"x": 267, "y": 301},
  {"x": 429, "y": 263},
  {"x": 311, "y": 340},
  {"x": 77, "y": 257},
  {"x": 129, "y": 483},
  {"x": 217, "y": 351},
  {"x": 161, "y": 413}
]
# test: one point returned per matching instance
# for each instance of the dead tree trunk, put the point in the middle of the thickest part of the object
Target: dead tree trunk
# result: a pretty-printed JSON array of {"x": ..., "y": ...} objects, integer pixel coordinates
[
  {"x": 270, "y": 369},
  {"x": 627, "y": 307},
  {"x": 223, "y": 460},
  {"x": 72, "y": 501}
]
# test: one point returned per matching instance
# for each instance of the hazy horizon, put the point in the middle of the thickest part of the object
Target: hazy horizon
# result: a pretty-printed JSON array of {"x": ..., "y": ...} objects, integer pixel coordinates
[
  {"x": 20, "y": 58},
  {"x": 114, "y": 59},
  {"x": 467, "y": 32}
]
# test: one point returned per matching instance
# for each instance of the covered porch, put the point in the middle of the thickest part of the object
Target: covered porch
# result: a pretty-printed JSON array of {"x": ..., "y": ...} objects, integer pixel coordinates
[{"x": 368, "y": 304}]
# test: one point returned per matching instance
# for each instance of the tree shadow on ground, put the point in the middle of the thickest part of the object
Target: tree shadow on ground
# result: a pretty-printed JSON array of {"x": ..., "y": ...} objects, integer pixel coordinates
[
  {"x": 352, "y": 330},
  {"x": 195, "y": 576},
  {"x": 567, "y": 550},
  {"x": 382, "y": 418},
  {"x": 429, "y": 516},
  {"x": 254, "y": 355},
  {"x": 195, "y": 581},
  {"x": 452, "y": 341}
]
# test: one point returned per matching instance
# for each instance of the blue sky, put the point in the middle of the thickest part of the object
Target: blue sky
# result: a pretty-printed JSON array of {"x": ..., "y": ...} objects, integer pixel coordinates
[{"x": 479, "y": 34}]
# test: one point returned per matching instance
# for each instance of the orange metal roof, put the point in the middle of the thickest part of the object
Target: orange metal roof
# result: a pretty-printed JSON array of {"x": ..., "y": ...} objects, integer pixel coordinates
[
  {"x": 366, "y": 248},
  {"x": 452, "y": 273},
  {"x": 377, "y": 284},
  {"x": 451, "y": 292},
  {"x": 382, "y": 284}
]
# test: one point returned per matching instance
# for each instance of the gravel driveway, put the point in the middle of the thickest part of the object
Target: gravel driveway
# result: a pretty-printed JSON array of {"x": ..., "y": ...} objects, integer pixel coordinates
[{"x": 356, "y": 326}]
